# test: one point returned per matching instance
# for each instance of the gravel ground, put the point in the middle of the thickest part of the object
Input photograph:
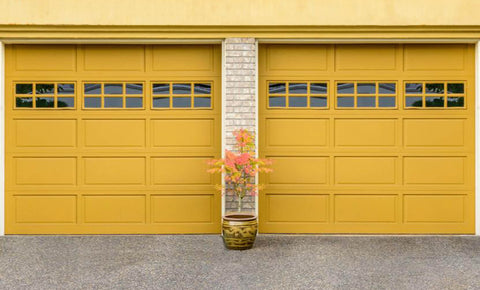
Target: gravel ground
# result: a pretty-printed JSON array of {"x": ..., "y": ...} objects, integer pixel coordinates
[{"x": 276, "y": 262}]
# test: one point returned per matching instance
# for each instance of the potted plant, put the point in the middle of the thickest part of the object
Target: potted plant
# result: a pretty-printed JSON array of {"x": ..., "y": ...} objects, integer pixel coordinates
[{"x": 240, "y": 168}]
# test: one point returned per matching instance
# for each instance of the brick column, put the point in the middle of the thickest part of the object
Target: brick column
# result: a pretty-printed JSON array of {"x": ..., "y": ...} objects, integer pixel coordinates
[{"x": 240, "y": 102}]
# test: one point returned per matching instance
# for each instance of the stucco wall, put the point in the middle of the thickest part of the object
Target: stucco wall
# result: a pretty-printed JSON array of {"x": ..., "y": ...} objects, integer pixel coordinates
[{"x": 240, "y": 12}]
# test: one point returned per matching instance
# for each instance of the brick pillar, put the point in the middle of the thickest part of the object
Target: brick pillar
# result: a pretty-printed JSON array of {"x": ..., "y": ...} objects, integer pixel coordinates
[{"x": 240, "y": 70}]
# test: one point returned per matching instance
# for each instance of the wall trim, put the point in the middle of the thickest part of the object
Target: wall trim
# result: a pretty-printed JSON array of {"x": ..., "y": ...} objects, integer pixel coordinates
[
  {"x": 257, "y": 137},
  {"x": 19, "y": 33},
  {"x": 2, "y": 138},
  {"x": 122, "y": 28},
  {"x": 365, "y": 40},
  {"x": 111, "y": 41},
  {"x": 220, "y": 41},
  {"x": 224, "y": 105},
  {"x": 477, "y": 138}
]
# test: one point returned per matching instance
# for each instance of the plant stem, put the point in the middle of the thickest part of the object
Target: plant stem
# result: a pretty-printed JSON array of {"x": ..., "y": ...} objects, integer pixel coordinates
[{"x": 239, "y": 204}]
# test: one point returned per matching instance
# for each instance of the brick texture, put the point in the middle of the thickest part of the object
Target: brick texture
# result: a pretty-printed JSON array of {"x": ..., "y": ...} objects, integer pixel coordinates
[{"x": 240, "y": 99}]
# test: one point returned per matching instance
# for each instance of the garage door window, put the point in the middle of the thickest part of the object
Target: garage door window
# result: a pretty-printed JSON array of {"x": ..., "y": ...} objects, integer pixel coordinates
[
  {"x": 366, "y": 95},
  {"x": 46, "y": 95},
  {"x": 434, "y": 94},
  {"x": 124, "y": 95},
  {"x": 171, "y": 95},
  {"x": 311, "y": 94}
]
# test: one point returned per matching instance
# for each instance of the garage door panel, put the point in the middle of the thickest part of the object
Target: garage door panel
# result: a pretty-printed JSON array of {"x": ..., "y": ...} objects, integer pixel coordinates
[
  {"x": 46, "y": 209},
  {"x": 106, "y": 58},
  {"x": 430, "y": 57},
  {"x": 397, "y": 139},
  {"x": 365, "y": 132},
  {"x": 182, "y": 208},
  {"x": 365, "y": 170},
  {"x": 434, "y": 170},
  {"x": 183, "y": 133},
  {"x": 114, "y": 209},
  {"x": 114, "y": 133},
  {"x": 45, "y": 133},
  {"x": 93, "y": 131},
  {"x": 299, "y": 170},
  {"x": 306, "y": 58},
  {"x": 354, "y": 57},
  {"x": 434, "y": 208},
  {"x": 183, "y": 58},
  {"x": 442, "y": 133},
  {"x": 45, "y": 171},
  {"x": 114, "y": 170},
  {"x": 45, "y": 58},
  {"x": 300, "y": 132},
  {"x": 365, "y": 208},
  {"x": 310, "y": 208},
  {"x": 180, "y": 171}
]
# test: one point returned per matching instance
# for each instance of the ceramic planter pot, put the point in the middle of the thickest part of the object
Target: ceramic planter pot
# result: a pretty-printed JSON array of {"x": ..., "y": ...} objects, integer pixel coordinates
[{"x": 239, "y": 231}]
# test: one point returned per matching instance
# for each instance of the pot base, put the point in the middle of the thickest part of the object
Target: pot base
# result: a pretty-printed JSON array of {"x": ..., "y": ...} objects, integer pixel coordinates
[{"x": 239, "y": 231}]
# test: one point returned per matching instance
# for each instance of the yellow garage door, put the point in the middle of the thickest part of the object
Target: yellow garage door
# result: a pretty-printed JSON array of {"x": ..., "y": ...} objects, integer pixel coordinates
[
  {"x": 112, "y": 139},
  {"x": 367, "y": 138}
]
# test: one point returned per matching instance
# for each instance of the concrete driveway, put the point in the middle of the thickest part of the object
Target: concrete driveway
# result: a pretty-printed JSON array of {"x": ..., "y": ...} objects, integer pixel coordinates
[{"x": 276, "y": 262}]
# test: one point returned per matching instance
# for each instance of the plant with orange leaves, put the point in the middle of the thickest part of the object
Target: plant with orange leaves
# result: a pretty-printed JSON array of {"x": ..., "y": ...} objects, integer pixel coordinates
[{"x": 241, "y": 167}]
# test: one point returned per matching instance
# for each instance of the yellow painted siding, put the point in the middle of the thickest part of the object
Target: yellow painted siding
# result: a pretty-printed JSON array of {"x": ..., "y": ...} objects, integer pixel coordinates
[
  {"x": 117, "y": 171},
  {"x": 367, "y": 170}
]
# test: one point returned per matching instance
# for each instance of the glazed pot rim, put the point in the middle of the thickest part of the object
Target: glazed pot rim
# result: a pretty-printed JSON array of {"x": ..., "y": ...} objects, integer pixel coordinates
[{"x": 240, "y": 217}]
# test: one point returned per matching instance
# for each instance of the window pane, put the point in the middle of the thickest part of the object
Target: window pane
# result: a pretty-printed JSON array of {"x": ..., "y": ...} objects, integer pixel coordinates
[
  {"x": 161, "y": 89},
  {"x": 134, "y": 89},
  {"x": 23, "y": 88},
  {"x": 318, "y": 101},
  {"x": 113, "y": 102},
  {"x": 413, "y": 88},
  {"x": 345, "y": 88},
  {"x": 434, "y": 88},
  {"x": 134, "y": 102},
  {"x": 387, "y": 88},
  {"x": 413, "y": 101},
  {"x": 44, "y": 102},
  {"x": 384, "y": 102},
  {"x": 277, "y": 102},
  {"x": 92, "y": 89},
  {"x": 94, "y": 102},
  {"x": 45, "y": 89},
  {"x": 113, "y": 89},
  {"x": 366, "y": 88},
  {"x": 202, "y": 89},
  {"x": 297, "y": 102},
  {"x": 455, "y": 102},
  {"x": 297, "y": 88},
  {"x": 65, "y": 89},
  {"x": 455, "y": 88},
  {"x": 65, "y": 102},
  {"x": 202, "y": 102},
  {"x": 181, "y": 102},
  {"x": 24, "y": 102},
  {"x": 179, "y": 89},
  {"x": 277, "y": 88},
  {"x": 365, "y": 102},
  {"x": 161, "y": 102},
  {"x": 434, "y": 102},
  {"x": 345, "y": 102},
  {"x": 318, "y": 88}
]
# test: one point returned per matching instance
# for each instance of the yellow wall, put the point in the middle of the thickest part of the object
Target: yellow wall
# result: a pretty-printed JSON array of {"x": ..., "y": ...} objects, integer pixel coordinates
[{"x": 240, "y": 12}]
